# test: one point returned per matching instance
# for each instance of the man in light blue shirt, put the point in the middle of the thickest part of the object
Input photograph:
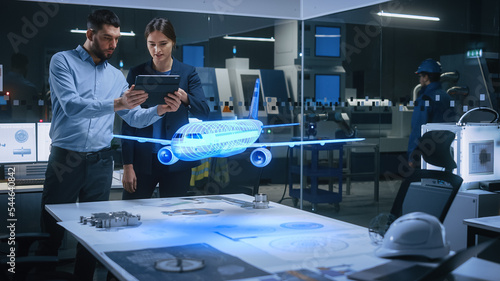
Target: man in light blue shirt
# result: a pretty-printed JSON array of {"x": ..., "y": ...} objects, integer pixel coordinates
[
  {"x": 85, "y": 96},
  {"x": 86, "y": 91}
]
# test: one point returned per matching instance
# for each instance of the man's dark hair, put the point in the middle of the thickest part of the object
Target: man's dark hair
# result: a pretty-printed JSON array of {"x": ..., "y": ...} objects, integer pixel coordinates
[
  {"x": 99, "y": 17},
  {"x": 433, "y": 77}
]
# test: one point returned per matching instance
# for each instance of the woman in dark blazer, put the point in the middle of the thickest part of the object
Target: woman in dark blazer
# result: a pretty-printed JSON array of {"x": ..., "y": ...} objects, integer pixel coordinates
[{"x": 142, "y": 170}]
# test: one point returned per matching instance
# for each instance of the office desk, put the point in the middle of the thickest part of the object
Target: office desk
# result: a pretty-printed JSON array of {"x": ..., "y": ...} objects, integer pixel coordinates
[
  {"x": 485, "y": 226},
  {"x": 234, "y": 241},
  {"x": 4, "y": 188},
  {"x": 376, "y": 166},
  {"x": 27, "y": 206},
  {"x": 314, "y": 171}
]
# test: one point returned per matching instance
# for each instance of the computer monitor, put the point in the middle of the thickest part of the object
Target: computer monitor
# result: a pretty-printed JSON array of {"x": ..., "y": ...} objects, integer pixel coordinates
[
  {"x": 327, "y": 41},
  {"x": 327, "y": 88},
  {"x": 217, "y": 90},
  {"x": 248, "y": 85},
  {"x": 43, "y": 141},
  {"x": 242, "y": 83},
  {"x": 17, "y": 143}
]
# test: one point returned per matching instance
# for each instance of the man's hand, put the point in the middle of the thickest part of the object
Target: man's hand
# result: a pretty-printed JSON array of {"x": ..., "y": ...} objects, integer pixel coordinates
[
  {"x": 172, "y": 103},
  {"x": 130, "y": 99},
  {"x": 129, "y": 180}
]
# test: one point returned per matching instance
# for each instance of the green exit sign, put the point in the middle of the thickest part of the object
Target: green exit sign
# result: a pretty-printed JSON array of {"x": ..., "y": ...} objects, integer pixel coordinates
[{"x": 477, "y": 53}]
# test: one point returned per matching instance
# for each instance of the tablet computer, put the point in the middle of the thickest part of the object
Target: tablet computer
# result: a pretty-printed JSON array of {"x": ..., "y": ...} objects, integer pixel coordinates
[{"x": 157, "y": 86}]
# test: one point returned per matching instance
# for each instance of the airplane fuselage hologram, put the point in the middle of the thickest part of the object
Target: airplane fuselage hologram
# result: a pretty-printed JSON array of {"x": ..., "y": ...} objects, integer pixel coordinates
[
  {"x": 195, "y": 141},
  {"x": 223, "y": 138}
]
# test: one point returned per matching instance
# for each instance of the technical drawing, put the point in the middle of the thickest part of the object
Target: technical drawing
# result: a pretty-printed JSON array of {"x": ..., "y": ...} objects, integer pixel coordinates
[
  {"x": 217, "y": 265},
  {"x": 179, "y": 265},
  {"x": 193, "y": 212},
  {"x": 200, "y": 140},
  {"x": 301, "y": 225},
  {"x": 21, "y": 136},
  {"x": 22, "y": 151},
  {"x": 308, "y": 244}
]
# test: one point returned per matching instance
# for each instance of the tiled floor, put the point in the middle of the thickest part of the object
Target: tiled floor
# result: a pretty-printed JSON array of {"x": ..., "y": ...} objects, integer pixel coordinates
[{"x": 358, "y": 208}]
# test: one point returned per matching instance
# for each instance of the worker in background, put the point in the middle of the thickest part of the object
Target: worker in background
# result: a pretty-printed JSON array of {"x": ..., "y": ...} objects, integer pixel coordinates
[{"x": 431, "y": 106}]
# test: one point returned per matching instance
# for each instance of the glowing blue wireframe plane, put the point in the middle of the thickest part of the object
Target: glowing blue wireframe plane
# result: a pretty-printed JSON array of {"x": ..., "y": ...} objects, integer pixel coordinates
[{"x": 199, "y": 140}]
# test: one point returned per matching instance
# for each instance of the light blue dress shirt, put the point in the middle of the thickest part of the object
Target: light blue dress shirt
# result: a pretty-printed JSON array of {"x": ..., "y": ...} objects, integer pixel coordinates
[{"x": 83, "y": 95}]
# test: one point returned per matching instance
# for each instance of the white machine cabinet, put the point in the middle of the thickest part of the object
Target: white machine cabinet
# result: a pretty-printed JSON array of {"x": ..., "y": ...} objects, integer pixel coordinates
[
  {"x": 475, "y": 147},
  {"x": 468, "y": 204}
]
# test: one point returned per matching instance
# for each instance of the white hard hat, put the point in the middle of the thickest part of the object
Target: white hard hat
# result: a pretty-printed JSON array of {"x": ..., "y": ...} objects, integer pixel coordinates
[{"x": 415, "y": 234}]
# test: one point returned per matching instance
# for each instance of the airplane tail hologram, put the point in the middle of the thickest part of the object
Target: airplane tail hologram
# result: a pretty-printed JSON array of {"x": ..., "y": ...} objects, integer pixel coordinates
[{"x": 254, "y": 106}]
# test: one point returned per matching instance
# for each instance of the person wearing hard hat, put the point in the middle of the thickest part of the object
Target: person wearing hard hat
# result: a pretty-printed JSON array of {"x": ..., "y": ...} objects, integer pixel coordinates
[{"x": 431, "y": 106}]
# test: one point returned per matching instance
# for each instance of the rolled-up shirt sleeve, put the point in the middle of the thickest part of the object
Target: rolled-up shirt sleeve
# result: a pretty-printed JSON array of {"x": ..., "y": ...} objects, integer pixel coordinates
[
  {"x": 70, "y": 101},
  {"x": 139, "y": 117},
  {"x": 83, "y": 96}
]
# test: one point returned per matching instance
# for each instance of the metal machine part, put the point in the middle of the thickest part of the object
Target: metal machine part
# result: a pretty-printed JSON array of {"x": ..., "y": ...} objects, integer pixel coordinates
[
  {"x": 474, "y": 148},
  {"x": 486, "y": 109},
  {"x": 342, "y": 119},
  {"x": 261, "y": 201},
  {"x": 111, "y": 219}
]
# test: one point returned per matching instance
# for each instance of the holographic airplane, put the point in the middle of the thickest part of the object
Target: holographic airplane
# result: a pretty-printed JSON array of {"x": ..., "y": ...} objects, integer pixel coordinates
[{"x": 224, "y": 138}]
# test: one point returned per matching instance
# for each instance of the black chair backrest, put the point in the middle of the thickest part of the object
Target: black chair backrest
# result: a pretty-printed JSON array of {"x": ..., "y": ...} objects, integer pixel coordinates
[
  {"x": 454, "y": 180},
  {"x": 434, "y": 147}
]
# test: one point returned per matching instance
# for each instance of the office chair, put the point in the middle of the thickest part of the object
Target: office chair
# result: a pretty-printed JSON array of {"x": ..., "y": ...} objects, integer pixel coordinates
[
  {"x": 25, "y": 264},
  {"x": 434, "y": 146}
]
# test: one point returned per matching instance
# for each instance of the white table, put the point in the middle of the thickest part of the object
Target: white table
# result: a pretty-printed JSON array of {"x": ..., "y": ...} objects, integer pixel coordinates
[
  {"x": 485, "y": 226},
  {"x": 235, "y": 242}
]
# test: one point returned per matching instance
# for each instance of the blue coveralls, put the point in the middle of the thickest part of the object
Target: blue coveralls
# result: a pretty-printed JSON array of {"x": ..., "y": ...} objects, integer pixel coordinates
[{"x": 438, "y": 111}]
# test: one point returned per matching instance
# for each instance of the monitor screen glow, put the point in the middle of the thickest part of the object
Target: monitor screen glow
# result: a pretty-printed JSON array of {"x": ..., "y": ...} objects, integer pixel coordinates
[
  {"x": 43, "y": 141},
  {"x": 327, "y": 88},
  {"x": 17, "y": 143},
  {"x": 327, "y": 41}
]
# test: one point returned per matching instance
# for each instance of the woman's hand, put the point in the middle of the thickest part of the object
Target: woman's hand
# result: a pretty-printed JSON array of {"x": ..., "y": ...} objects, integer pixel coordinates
[
  {"x": 172, "y": 103},
  {"x": 129, "y": 180}
]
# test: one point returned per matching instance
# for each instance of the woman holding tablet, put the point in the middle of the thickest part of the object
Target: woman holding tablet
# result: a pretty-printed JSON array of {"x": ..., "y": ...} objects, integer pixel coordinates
[{"x": 141, "y": 169}]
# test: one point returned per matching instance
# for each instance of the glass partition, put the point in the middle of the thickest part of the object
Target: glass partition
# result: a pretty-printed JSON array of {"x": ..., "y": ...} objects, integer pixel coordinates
[{"x": 341, "y": 76}]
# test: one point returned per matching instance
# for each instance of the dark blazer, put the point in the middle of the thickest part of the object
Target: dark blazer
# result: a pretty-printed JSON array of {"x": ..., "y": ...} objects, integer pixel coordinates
[{"x": 139, "y": 154}]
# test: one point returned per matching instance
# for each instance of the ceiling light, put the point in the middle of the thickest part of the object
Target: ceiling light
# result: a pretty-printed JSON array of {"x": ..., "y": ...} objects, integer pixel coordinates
[
  {"x": 260, "y": 39},
  {"x": 76, "y": 30},
  {"x": 405, "y": 16},
  {"x": 327, "y": 35}
]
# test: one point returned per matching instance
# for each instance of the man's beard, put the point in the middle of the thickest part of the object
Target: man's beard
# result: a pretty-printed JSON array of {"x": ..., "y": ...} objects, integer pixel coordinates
[{"x": 98, "y": 52}]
